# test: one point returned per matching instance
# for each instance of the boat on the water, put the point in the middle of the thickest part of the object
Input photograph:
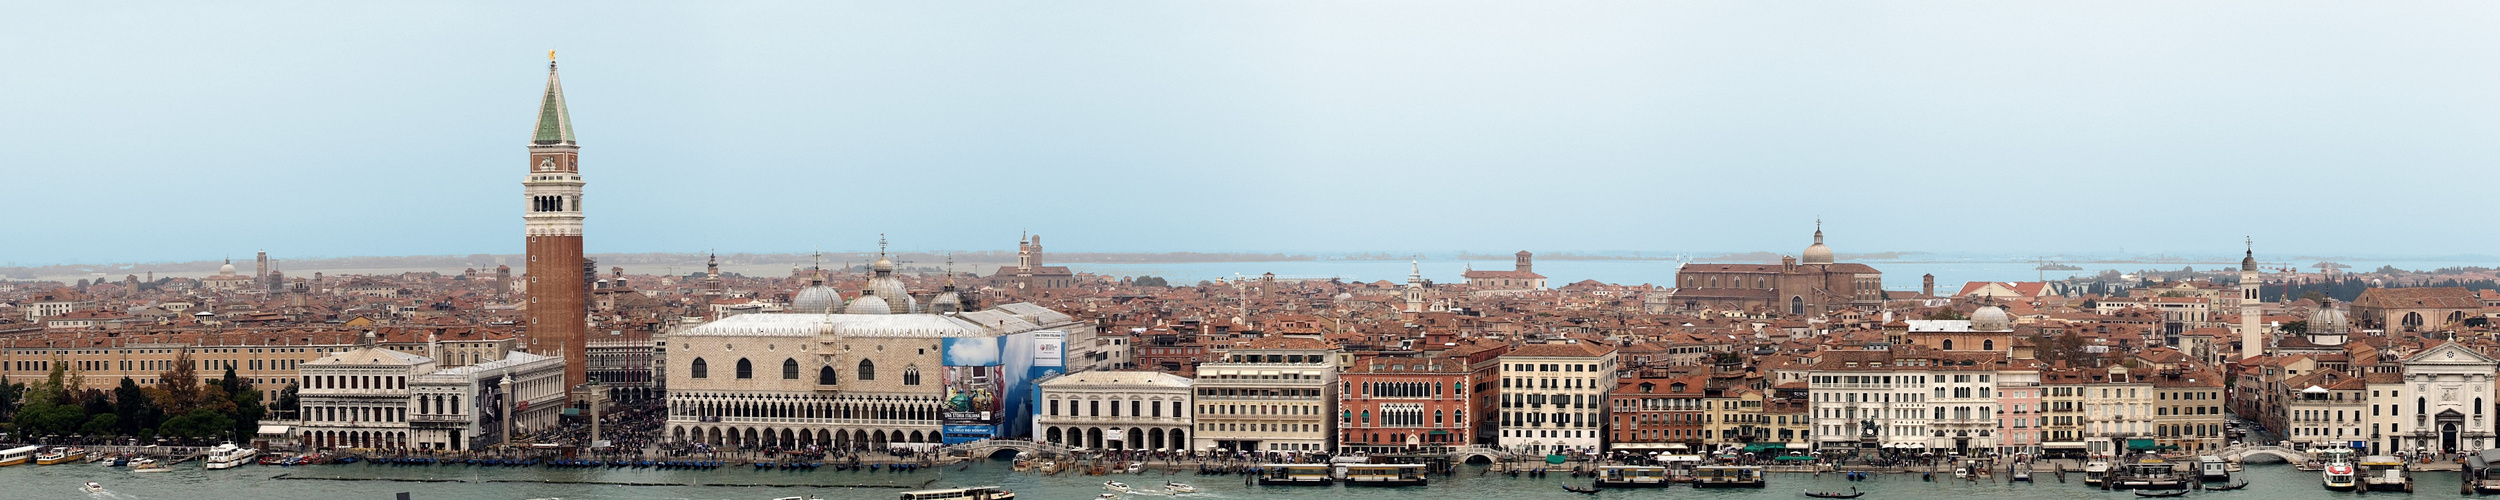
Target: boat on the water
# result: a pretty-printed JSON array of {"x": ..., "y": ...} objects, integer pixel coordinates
[
  {"x": 1295, "y": 475},
  {"x": 1728, "y": 476},
  {"x": 2339, "y": 477},
  {"x": 2212, "y": 468},
  {"x": 1381, "y": 474},
  {"x": 228, "y": 456},
  {"x": 60, "y": 455},
  {"x": 1115, "y": 486},
  {"x": 1590, "y": 490},
  {"x": 1853, "y": 493},
  {"x": 2385, "y": 473},
  {"x": 21, "y": 455},
  {"x": 972, "y": 493},
  {"x": 2022, "y": 472},
  {"x": 1174, "y": 487},
  {"x": 2148, "y": 474},
  {"x": 95, "y": 487},
  {"x": 2096, "y": 473},
  {"x": 2161, "y": 494},
  {"x": 1632, "y": 476}
]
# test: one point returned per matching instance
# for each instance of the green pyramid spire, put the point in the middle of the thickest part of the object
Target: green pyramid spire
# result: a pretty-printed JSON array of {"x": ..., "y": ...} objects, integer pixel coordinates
[{"x": 555, "y": 126}]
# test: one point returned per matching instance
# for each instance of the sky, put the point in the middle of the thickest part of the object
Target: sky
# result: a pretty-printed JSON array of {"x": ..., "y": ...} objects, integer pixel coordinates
[{"x": 146, "y": 131}]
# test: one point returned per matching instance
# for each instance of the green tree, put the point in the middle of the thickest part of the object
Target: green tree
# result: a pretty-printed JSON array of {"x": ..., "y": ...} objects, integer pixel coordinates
[
  {"x": 198, "y": 423},
  {"x": 102, "y": 424},
  {"x": 246, "y": 403},
  {"x": 136, "y": 413}
]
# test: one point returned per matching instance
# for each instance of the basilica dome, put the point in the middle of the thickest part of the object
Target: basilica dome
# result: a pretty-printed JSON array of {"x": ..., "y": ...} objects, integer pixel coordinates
[
  {"x": 1991, "y": 319},
  {"x": 816, "y": 299},
  {"x": 868, "y": 304}
]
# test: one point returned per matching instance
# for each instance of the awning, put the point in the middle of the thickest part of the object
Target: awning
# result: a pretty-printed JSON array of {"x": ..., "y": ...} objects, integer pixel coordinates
[
  {"x": 1760, "y": 447},
  {"x": 2063, "y": 445},
  {"x": 274, "y": 430},
  {"x": 1438, "y": 432},
  {"x": 1556, "y": 459},
  {"x": 1793, "y": 458},
  {"x": 1798, "y": 446},
  {"x": 2143, "y": 444},
  {"x": 1648, "y": 446}
]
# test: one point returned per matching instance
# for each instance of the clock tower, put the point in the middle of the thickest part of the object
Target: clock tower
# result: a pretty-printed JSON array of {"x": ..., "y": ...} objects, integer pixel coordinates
[{"x": 559, "y": 284}]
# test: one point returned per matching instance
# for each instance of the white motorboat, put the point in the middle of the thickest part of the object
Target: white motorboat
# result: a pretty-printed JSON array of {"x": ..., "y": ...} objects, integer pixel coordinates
[
  {"x": 1106, "y": 496},
  {"x": 228, "y": 456},
  {"x": 1179, "y": 488},
  {"x": 1115, "y": 486},
  {"x": 95, "y": 487},
  {"x": 1136, "y": 467}
]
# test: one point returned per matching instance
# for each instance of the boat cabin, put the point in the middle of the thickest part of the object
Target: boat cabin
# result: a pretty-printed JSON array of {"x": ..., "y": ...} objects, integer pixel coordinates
[
  {"x": 1728, "y": 476},
  {"x": 1632, "y": 476},
  {"x": 1295, "y": 474},
  {"x": 1381, "y": 474},
  {"x": 973, "y": 493}
]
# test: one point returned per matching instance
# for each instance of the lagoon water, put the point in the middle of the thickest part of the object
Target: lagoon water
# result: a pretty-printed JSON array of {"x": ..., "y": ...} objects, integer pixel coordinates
[{"x": 2267, "y": 482}]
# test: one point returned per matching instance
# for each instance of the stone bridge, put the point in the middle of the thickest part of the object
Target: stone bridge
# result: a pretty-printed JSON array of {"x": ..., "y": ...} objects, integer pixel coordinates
[
  {"x": 2245, "y": 452},
  {"x": 990, "y": 448},
  {"x": 1472, "y": 454}
]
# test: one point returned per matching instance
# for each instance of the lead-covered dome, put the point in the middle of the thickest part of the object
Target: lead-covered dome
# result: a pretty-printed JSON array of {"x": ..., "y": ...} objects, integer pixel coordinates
[
  {"x": 816, "y": 298},
  {"x": 1991, "y": 319}
]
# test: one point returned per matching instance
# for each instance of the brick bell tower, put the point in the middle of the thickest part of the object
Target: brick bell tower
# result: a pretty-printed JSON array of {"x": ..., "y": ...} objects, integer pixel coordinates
[{"x": 559, "y": 304}]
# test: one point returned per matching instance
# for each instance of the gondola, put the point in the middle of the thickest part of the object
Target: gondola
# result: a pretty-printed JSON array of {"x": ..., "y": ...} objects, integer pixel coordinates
[
  {"x": 1591, "y": 490},
  {"x": 2228, "y": 487},
  {"x": 2166, "y": 494},
  {"x": 1853, "y": 493}
]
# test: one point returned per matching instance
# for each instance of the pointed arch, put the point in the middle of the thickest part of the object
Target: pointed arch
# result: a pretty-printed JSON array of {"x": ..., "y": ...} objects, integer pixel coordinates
[
  {"x": 698, "y": 369},
  {"x": 867, "y": 370},
  {"x": 824, "y": 376},
  {"x": 746, "y": 370},
  {"x": 911, "y": 375},
  {"x": 789, "y": 369}
]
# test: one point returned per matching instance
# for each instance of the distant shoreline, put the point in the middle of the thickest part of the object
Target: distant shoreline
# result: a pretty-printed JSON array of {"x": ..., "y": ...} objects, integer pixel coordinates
[{"x": 986, "y": 261}]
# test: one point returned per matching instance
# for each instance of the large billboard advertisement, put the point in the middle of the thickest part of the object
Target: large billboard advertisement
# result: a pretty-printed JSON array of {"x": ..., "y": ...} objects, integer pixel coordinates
[{"x": 989, "y": 382}]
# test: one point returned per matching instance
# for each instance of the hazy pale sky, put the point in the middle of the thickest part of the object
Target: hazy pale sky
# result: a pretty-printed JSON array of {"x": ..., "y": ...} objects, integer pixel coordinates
[{"x": 152, "y": 131}]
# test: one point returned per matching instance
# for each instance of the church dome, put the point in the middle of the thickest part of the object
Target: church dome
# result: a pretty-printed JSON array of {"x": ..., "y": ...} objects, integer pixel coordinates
[
  {"x": 947, "y": 301},
  {"x": 227, "y": 270},
  {"x": 2249, "y": 263},
  {"x": 1991, "y": 319},
  {"x": 2328, "y": 320},
  {"x": 890, "y": 289},
  {"x": 1817, "y": 253},
  {"x": 868, "y": 304},
  {"x": 815, "y": 299}
]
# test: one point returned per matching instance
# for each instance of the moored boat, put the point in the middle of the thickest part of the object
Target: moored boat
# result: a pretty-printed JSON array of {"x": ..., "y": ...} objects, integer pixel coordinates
[
  {"x": 1381, "y": 474},
  {"x": 1728, "y": 476},
  {"x": 60, "y": 455},
  {"x": 228, "y": 456},
  {"x": 2339, "y": 477},
  {"x": 2096, "y": 473},
  {"x": 972, "y": 493},
  {"x": 1295, "y": 475},
  {"x": 1632, "y": 476},
  {"x": 2384, "y": 473}
]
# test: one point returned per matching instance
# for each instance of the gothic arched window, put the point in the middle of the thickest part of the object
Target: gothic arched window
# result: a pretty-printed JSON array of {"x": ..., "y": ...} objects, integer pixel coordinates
[
  {"x": 1988, "y": 344},
  {"x": 1948, "y": 344},
  {"x": 745, "y": 370},
  {"x": 867, "y": 370},
  {"x": 911, "y": 375},
  {"x": 789, "y": 369},
  {"x": 824, "y": 376},
  {"x": 699, "y": 370},
  {"x": 1796, "y": 305}
]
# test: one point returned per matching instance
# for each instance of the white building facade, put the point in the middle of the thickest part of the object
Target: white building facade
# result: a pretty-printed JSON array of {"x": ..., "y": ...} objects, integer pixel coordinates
[
  {"x": 1115, "y": 410},
  {"x": 1553, "y": 397}
]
